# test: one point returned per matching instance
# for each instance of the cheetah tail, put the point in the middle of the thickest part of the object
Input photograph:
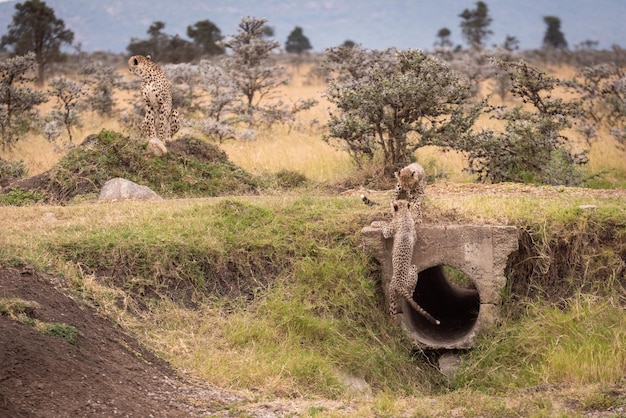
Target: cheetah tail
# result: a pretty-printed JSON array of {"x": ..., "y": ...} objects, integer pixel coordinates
[
  {"x": 423, "y": 312},
  {"x": 368, "y": 202}
]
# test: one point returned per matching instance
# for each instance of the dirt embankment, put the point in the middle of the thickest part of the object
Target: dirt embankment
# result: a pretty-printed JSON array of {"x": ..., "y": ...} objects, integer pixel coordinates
[{"x": 105, "y": 373}]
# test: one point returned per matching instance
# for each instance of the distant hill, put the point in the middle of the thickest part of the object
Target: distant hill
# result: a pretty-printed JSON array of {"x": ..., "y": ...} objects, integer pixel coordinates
[{"x": 109, "y": 25}]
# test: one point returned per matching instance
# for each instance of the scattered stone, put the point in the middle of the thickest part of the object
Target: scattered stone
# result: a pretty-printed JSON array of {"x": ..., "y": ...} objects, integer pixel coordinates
[
  {"x": 449, "y": 364},
  {"x": 122, "y": 189},
  {"x": 49, "y": 217},
  {"x": 357, "y": 386},
  {"x": 587, "y": 207},
  {"x": 157, "y": 147}
]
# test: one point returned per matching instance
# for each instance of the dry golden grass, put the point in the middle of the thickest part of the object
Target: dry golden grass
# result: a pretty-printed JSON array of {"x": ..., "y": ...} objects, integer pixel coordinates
[{"x": 301, "y": 148}]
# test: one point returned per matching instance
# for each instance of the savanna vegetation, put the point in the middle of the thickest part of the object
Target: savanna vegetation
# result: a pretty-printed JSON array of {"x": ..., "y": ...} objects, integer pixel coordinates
[{"x": 250, "y": 275}]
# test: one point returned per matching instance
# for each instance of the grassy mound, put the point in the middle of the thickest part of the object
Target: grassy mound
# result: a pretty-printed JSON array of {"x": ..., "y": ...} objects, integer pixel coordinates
[{"x": 192, "y": 168}]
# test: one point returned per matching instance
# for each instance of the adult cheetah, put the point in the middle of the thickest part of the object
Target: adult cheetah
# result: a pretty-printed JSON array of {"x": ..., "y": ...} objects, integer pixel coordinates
[{"x": 161, "y": 121}]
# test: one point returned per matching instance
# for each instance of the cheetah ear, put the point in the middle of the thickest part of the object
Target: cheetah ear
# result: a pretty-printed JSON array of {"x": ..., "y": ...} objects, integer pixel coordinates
[
  {"x": 149, "y": 57},
  {"x": 135, "y": 62},
  {"x": 396, "y": 175}
]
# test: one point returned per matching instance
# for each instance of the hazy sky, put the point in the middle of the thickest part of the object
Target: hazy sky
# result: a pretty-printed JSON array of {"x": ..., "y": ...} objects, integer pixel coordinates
[{"x": 376, "y": 24}]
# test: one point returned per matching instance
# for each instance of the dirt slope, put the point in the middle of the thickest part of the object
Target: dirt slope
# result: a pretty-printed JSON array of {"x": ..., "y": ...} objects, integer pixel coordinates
[{"x": 106, "y": 373}]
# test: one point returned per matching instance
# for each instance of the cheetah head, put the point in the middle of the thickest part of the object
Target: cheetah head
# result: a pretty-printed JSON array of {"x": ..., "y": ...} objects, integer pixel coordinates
[
  {"x": 399, "y": 205},
  {"x": 137, "y": 64},
  {"x": 406, "y": 177}
]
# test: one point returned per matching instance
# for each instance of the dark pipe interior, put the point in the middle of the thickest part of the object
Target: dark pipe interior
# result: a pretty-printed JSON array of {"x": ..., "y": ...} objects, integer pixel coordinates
[{"x": 455, "y": 306}]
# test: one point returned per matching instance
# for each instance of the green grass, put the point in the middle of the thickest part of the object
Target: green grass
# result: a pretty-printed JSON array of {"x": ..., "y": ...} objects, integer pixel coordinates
[
  {"x": 19, "y": 197},
  {"x": 284, "y": 288},
  {"x": 23, "y": 311},
  {"x": 582, "y": 343}
]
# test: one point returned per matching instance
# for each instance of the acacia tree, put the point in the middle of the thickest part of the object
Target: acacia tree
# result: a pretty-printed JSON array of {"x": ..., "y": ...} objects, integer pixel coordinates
[
  {"x": 17, "y": 101},
  {"x": 602, "y": 90},
  {"x": 35, "y": 28},
  {"x": 443, "y": 38},
  {"x": 257, "y": 77},
  {"x": 475, "y": 25},
  {"x": 102, "y": 79},
  {"x": 553, "y": 37},
  {"x": 395, "y": 101},
  {"x": 297, "y": 43},
  {"x": 532, "y": 147},
  {"x": 220, "y": 114},
  {"x": 206, "y": 35},
  {"x": 68, "y": 94},
  {"x": 249, "y": 64}
]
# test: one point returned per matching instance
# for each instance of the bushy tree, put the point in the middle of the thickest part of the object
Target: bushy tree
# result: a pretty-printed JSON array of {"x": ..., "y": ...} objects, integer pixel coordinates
[
  {"x": 249, "y": 65},
  {"x": 220, "y": 114},
  {"x": 395, "y": 102},
  {"x": 36, "y": 29},
  {"x": 553, "y": 38},
  {"x": 443, "y": 39},
  {"x": 101, "y": 80},
  {"x": 602, "y": 90},
  {"x": 185, "y": 81},
  {"x": 297, "y": 43},
  {"x": 68, "y": 96},
  {"x": 161, "y": 46},
  {"x": 475, "y": 25},
  {"x": 251, "y": 68},
  {"x": 18, "y": 102},
  {"x": 532, "y": 146},
  {"x": 206, "y": 35}
]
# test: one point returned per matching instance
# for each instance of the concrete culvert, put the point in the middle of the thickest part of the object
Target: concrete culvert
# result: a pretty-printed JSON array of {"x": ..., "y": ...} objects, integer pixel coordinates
[
  {"x": 476, "y": 254},
  {"x": 456, "y": 306}
]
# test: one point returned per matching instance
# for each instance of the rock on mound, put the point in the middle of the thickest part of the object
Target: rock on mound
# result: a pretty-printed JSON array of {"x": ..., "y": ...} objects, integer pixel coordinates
[{"x": 122, "y": 189}]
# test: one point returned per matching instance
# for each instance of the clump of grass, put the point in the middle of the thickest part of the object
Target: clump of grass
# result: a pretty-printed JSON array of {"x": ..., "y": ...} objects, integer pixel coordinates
[
  {"x": 23, "y": 311},
  {"x": 59, "y": 330},
  {"x": 11, "y": 170},
  {"x": 15, "y": 308},
  {"x": 581, "y": 344},
  {"x": 286, "y": 179},
  {"x": 16, "y": 196}
]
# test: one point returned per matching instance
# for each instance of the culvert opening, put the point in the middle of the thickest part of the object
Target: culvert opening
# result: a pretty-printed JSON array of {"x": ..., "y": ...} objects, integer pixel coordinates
[{"x": 448, "y": 295}]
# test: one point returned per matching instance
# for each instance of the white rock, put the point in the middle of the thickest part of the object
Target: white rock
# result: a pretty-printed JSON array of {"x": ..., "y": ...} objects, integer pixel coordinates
[{"x": 122, "y": 189}]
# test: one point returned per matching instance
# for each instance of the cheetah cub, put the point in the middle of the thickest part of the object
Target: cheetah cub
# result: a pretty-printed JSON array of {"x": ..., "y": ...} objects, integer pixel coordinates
[
  {"x": 404, "y": 277},
  {"x": 161, "y": 121},
  {"x": 412, "y": 181}
]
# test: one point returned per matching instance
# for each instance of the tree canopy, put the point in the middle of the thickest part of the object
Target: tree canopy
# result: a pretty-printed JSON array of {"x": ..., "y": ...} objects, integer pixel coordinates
[
  {"x": 553, "y": 37},
  {"x": 206, "y": 35},
  {"x": 475, "y": 25},
  {"x": 35, "y": 28},
  {"x": 296, "y": 42},
  {"x": 395, "y": 102},
  {"x": 163, "y": 47}
]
